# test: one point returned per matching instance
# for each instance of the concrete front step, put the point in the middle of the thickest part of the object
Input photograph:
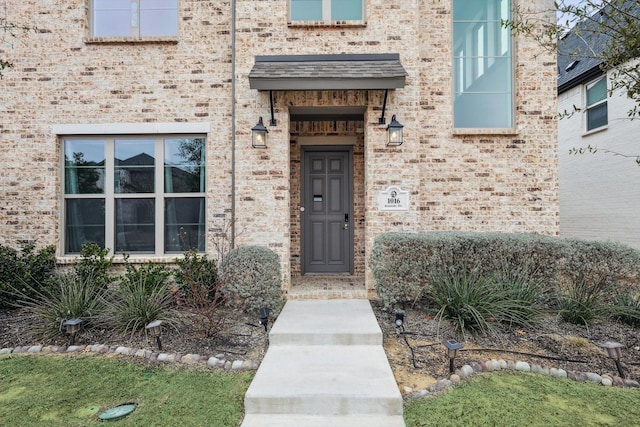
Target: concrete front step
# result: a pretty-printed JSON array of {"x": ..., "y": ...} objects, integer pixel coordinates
[
  {"x": 270, "y": 420},
  {"x": 326, "y": 322},
  {"x": 324, "y": 380},
  {"x": 325, "y": 366}
]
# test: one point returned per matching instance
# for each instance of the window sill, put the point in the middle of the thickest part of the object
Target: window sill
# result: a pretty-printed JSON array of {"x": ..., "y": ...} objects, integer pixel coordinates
[
  {"x": 133, "y": 259},
  {"x": 123, "y": 40},
  {"x": 485, "y": 131},
  {"x": 336, "y": 24},
  {"x": 596, "y": 130}
]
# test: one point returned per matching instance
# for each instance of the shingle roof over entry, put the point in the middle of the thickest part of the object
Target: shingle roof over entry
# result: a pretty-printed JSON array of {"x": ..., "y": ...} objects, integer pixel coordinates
[{"x": 327, "y": 72}]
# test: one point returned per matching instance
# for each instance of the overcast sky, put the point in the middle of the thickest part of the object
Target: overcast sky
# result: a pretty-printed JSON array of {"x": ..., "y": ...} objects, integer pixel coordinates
[{"x": 561, "y": 19}]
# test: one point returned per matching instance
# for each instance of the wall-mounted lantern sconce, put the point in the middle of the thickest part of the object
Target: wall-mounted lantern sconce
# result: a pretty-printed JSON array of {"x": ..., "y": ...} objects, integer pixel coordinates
[
  {"x": 72, "y": 327},
  {"x": 395, "y": 133},
  {"x": 259, "y": 135},
  {"x": 155, "y": 330},
  {"x": 614, "y": 352},
  {"x": 452, "y": 351}
]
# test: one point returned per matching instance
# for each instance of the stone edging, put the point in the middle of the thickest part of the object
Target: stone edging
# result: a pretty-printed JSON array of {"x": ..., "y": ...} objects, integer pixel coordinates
[
  {"x": 217, "y": 361},
  {"x": 491, "y": 365}
]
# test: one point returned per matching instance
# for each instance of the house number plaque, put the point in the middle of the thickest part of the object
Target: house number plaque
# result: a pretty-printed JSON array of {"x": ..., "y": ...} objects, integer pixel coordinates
[{"x": 393, "y": 199}]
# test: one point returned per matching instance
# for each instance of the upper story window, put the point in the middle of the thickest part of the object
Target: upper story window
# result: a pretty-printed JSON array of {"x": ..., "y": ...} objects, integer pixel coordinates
[
  {"x": 597, "y": 114},
  {"x": 327, "y": 10},
  {"x": 134, "y": 194},
  {"x": 134, "y": 18},
  {"x": 483, "y": 71}
]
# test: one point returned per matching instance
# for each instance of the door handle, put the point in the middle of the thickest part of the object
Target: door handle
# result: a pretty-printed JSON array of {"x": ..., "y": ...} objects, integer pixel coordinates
[{"x": 346, "y": 221}]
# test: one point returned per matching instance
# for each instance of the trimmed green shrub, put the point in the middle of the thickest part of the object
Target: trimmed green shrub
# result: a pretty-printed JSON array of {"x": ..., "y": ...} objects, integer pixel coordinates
[
  {"x": 579, "y": 279},
  {"x": 147, "y": 276},
  {"x": 95, "y": 264},
  {"x": 401, "y": 268},
  {"x": 24, "y": 271},
  {"x": 196, "y": 276},
  {"x": 405, "y": 264},
  {"x": 199, "y": 291},
  {"x": 252, "y": 279}
]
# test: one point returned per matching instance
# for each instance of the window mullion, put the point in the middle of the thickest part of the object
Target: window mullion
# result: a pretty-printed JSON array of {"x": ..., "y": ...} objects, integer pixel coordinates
[
  {"x": 326, "y": 10},
  {"x": 159, "y": 195},
  {"x": 110, "y": 214},
  {"x": 135, "y": 18}
]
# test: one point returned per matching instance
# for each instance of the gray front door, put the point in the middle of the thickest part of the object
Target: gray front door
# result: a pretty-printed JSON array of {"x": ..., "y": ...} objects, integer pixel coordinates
[{"x": 327, "y": 182}]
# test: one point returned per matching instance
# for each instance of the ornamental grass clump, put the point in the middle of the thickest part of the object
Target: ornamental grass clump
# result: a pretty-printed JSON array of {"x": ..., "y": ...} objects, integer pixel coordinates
[
  {"x": 593, "y": 274},
  {"x": 68, "y": 296},
  {"x": 628, "y": 308},
  {"x": 474, "y": 303},
  {"x": 143, "y": 295}
]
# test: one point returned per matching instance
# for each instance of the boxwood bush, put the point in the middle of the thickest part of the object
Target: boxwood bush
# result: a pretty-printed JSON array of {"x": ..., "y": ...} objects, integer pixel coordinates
[
  {"x": 573, "y": 274},
  {"x": 252, "y": 279},
  {"x": 404, "y": 265}
]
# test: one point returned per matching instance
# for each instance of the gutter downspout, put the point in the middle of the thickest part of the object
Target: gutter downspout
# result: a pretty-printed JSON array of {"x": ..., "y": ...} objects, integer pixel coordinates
[{"x": 233, "y": 124}]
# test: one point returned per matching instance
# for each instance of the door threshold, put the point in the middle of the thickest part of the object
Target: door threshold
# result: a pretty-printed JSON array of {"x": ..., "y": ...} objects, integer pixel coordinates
[{"x": 327, "y": 286}]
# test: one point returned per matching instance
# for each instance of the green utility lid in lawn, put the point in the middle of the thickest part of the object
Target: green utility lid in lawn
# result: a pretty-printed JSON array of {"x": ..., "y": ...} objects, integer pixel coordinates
[{"x": 117, "y": 412}]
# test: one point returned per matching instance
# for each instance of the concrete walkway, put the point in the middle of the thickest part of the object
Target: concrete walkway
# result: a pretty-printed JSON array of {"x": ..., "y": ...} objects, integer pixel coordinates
[{"x": 325, "y": 366}]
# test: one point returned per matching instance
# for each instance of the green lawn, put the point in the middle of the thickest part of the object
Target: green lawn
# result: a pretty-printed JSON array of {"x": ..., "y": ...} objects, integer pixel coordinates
[
  {"x": 512, "y": 400},
  {"x": 68, "y": 391},
  {"x": 37, "y": 390}
]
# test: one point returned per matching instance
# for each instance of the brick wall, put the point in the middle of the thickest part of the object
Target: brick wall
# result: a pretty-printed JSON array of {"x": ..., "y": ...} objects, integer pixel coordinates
[{"x": 486, "y": 182}]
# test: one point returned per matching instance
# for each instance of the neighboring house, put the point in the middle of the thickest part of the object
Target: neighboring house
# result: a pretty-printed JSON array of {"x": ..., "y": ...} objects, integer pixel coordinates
[
  {"x": 129, "y": 123},
  {"x": 599, "y": 192}
]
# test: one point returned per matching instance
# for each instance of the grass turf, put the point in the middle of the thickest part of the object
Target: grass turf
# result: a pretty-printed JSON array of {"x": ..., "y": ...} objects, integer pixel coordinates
[
  {"x": 73, "y": 390},
  {"x": 512, "y": 400}
]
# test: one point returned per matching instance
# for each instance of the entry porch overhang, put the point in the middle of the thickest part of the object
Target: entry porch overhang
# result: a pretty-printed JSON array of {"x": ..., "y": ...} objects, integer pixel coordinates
[{"x": 328, "y": 72}]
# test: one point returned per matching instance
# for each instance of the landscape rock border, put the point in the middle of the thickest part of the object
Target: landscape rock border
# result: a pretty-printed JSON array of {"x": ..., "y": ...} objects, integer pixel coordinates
[
  {"x": 493, "y": 365},
  {"x": 218, "y": 361}
]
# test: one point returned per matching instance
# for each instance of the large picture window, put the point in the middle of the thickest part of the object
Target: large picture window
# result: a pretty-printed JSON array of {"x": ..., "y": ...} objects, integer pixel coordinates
[
  {"x": 483, "y": 71},
  {"x": 326, "y": 10},
  {"x": 134, "y": 18},
  {"x": 597, "y": 114},
  {"x": 134, "y": 195}
]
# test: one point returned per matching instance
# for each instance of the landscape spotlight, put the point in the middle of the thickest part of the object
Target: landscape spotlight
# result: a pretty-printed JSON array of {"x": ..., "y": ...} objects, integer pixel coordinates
[
  {"x": 155, "y": 330},
  {"x": 399, "y": 319},
  {"x": 452, "y": 351},
  {"x": 614, "y": 352},
  {"x": 72, "y": 326},
  {"x": 264, "y": 317}
]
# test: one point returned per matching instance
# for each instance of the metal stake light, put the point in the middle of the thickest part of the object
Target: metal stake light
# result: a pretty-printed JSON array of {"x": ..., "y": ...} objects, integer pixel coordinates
[
  {"x": 614, "y": 352},
  {"x": 452, "y": 351},
  {"x": 155, "y": 330},
  {"x": 72, "y": 327}
]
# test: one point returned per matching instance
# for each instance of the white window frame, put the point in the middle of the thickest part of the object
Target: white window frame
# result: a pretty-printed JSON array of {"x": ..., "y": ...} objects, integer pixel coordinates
[
  {"x": 326, "y": 13},
  {"x": 589, "y": 107},
  {"x": 109, "y": 194},
  {"x": 134, "y": 24}
]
